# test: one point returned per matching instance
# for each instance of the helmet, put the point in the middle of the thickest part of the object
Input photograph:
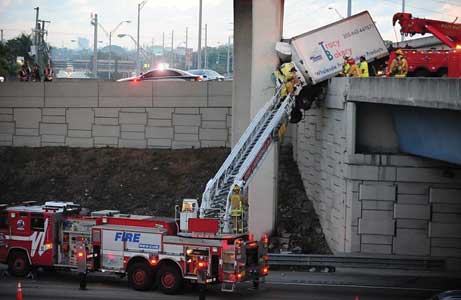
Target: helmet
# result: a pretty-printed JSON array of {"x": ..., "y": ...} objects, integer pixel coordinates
[
  {"x": 399, "y": 52},
  {"x": 350, "y": 61},
  {"x": 236, "y": 188},
  {"x": 346, "y": 57}
]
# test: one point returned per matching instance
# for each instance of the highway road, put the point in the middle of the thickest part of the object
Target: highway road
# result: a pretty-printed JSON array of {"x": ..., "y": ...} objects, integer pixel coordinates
[{"x": 63, "y": 285}]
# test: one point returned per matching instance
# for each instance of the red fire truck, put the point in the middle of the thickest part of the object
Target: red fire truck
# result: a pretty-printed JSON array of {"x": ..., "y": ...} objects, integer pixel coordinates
[
  {"x": 147, "y": 249},
  {"x": 434, "y": 63},
  {"x": 210, "y": 244}
]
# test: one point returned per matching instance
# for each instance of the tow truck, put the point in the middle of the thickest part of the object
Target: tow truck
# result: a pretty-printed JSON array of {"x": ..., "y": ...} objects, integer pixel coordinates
[
  {"x": 198, "y": 245},
  {"x": 434, "y": 63}
]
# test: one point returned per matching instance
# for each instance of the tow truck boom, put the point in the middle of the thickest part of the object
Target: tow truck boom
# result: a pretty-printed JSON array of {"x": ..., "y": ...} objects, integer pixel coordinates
[{"x": 448, "y": 33}]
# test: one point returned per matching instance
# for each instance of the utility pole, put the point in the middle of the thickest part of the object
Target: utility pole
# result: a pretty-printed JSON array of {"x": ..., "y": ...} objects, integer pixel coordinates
[
  {"x": 140, "y": 6},
  {"x": 153, "y": 54},
  {"x": 199, "y": 48},
  {"x": 37, "y": 9},
  {"x": 206, "y": 50},
  {"x": 41, "y": 43},
  {"x": 172, "y": 49},
  {"x": 185, "y": 52},
  {"x": 403, "y": 10},
  {"x": 94, "y": 22},
  {"x": 137, "y": 41},
  {"x": 349, "y": 8},
  {"x": 1, "y": 36},
  {"x": 163, "y": 45},
  {"x": 228, "y": 57}
]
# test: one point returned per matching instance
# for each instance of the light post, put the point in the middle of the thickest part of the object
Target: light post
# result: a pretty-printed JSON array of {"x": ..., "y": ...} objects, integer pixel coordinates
[
  {"x": 110, "y": 43},
  {"x": 122, "y": 35},
  {"x": 337, "y": 12},
  {"x": 140, "y": 6},
  {"x": 109, "y": 35}
]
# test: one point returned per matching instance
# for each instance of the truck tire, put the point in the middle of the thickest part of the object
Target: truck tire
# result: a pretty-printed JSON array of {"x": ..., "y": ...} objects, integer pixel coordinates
[
  {"x": 18, "y": 264},
  {"x": 169, "y": 280},
  {"x": 140, "y": 276}
]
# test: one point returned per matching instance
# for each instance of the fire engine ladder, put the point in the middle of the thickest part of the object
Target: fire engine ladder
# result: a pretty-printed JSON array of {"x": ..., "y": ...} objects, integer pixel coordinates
[{"x": 244, "y": 159}]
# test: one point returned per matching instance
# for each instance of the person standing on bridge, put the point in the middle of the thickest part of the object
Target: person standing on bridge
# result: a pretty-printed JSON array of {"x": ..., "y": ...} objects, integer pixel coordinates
[
  {"x": 346, "y": 67},
  {"x": 48, "y": 72},
  {"x": 354, "y": 69},
  {"x": 36, "y": 73},
  {"x": 363, "y": 67},
  {"x": 399, "y": 65}
]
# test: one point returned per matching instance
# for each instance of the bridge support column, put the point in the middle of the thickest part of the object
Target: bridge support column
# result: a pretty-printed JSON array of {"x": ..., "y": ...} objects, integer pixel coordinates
[{"x": 257, "y": 27}]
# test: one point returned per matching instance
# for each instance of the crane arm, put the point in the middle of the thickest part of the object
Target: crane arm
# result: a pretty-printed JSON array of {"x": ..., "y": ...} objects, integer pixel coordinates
[{"x": 448, "y": 33}]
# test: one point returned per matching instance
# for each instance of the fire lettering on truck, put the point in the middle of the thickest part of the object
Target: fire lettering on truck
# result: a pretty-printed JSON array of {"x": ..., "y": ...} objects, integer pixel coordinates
[{"x": 127, "y": 237}]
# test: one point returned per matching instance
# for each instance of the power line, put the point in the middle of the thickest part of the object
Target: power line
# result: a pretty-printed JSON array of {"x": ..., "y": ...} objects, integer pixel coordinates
[
  {"x": 448, "y": 2},
  {"x": 421, "y": 8}
]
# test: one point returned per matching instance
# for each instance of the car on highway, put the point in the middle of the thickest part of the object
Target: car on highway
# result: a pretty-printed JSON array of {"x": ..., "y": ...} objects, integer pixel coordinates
[
  {"x": 164, "y": 74},
  {"x": 207, "y": 74},
  {"x": 448, "y": 295}
]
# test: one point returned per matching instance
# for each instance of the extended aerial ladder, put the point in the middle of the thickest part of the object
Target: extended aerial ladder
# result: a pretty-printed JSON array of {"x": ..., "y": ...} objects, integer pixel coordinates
[{"x": 267, "y": 127}]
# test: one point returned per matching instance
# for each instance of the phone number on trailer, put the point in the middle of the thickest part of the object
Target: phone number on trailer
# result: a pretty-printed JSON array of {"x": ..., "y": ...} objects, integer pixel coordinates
[{"x": 357, "y": 31}]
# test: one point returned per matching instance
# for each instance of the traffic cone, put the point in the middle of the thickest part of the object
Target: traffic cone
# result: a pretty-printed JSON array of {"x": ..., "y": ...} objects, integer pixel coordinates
[{"x": 19, "y": 292}]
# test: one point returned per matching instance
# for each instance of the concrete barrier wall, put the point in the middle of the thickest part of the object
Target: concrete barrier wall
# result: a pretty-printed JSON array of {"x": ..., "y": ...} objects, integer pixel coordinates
[
  {"x": 163, "y": 114},
  {"x": 382, "y": 203}
]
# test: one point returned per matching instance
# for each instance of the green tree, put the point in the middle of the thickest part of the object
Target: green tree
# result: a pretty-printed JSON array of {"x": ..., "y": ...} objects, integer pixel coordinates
[{"x": 19, "y": 46}]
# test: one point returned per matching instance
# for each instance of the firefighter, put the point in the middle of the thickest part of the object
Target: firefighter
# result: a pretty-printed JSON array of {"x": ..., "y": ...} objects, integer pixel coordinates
[
  {"x": 363, "y": 67},
  {"x": 286, "y": 76},
  {"x": 399, "y": 65},
  {"x": 354, "y": 69},
  {"x": 346, "y": 67},
  {"x": 237, "y": 209}
]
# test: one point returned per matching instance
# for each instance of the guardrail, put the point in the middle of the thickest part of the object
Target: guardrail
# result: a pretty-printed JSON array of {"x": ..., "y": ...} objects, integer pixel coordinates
[{"x": 331, "y": 262}]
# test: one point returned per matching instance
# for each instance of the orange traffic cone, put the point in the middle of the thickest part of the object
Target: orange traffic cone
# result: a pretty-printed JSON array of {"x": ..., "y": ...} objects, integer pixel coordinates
[{"x": 19, "y": 292}]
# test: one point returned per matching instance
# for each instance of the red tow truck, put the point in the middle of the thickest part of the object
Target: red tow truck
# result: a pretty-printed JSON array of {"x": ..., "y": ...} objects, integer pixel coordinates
[
  {"x": 433, "y": 63},
  {"x": 147, "y": 249}
]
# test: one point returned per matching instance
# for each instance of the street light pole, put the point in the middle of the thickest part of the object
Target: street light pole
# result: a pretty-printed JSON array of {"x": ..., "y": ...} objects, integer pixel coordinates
[
  {"x": 110, "y": 43},
  {"x": 94, "y": 21},
  {"x": 349, "y": 8},
  {"x": 228, "y": 57},
  {"x": 206, "y": 51},
  {"x": 140, "y": 6},
  {"x": 199, "y": 49}
]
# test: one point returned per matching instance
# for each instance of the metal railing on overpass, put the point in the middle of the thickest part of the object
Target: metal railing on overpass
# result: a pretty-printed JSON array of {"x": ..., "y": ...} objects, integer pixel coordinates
[{"x": 331, "y": 262}]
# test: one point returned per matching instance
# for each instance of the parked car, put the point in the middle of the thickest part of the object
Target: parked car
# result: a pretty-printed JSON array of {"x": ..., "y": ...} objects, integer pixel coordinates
[
  {"x": 448, "y": 295},
  {"x": 207, "y": 74},
  {"x": 164, "y": 74}
]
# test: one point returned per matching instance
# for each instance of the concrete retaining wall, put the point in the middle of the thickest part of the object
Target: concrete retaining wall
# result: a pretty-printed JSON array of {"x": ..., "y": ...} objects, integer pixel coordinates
[
  {"x": 375, "y": 203},
  {"x": 163, "y": 114}
]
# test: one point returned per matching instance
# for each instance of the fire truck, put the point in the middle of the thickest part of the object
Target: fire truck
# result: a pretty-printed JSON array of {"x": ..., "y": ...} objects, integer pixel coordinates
[
  {"x": 199, "y": 244},
  {"x": 434, "y": 63}
]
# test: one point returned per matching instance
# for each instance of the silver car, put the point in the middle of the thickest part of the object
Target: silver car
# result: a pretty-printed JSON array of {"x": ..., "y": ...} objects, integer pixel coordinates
[
  {"x": 207, "y": 74},
  {"x": 164, "y": 74}
]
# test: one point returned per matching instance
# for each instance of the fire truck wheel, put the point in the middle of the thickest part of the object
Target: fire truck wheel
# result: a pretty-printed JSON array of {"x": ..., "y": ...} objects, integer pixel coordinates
[
  {"x": 18, "y": 264},
  {"x": 140, "y": 276},
  {"x": 169, "y": 280}
]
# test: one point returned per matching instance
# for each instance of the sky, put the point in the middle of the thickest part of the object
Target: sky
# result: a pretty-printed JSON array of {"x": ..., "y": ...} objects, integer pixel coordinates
[{"x": 70, "y": 19}]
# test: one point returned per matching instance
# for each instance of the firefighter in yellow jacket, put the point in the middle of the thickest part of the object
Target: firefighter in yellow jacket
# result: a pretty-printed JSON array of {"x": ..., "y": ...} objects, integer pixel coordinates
[
  {"x": 286, "y": 76},
  {"x": 237, "y": 206},
  {"x": 363, "y": 67}
]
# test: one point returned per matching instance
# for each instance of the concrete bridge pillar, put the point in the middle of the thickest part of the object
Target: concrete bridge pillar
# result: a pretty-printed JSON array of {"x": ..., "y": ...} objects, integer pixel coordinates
[{"x": 257, "y": 27}]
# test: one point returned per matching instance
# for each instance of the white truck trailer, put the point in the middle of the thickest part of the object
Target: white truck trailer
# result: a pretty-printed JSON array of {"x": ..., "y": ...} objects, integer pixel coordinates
[{"x": 318, "y": 54}]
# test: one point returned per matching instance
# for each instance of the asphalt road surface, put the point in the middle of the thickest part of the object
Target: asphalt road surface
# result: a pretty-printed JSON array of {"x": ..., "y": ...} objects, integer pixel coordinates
[{"x": 64, "y": 285}]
